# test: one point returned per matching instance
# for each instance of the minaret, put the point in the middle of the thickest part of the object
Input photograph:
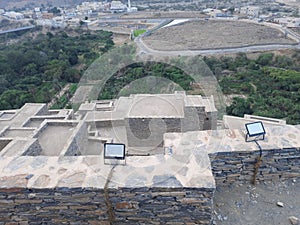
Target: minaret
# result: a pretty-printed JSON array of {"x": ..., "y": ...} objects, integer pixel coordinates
[{"x": 129, "y": 5}]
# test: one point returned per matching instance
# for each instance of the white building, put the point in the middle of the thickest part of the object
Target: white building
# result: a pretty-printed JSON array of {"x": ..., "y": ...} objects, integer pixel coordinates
[
  {"x": 57, "y": 22},
  {"x": 118, "y": 6},
  {"x": 91, "y": 6},
  {"x": 132, "y": 9},
  {"x": 252, "y": 11},
  {"x": 14, "y": 15}
]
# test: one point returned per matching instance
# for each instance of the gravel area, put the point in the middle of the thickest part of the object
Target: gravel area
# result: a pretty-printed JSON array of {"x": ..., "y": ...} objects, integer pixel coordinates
[
  {"x": 214, "y": 34},
  {"x": 259, "y": 204}
]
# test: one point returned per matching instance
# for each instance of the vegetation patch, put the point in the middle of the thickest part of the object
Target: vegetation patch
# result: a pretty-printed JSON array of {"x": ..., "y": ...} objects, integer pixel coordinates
[
  {"x": 137, "y": 33},
  {"x": 270, "y": 84},
  {"x": 136, "y": 71},
  {"x": 35, "y": 70},
  {"x": 64, "y": 100}
]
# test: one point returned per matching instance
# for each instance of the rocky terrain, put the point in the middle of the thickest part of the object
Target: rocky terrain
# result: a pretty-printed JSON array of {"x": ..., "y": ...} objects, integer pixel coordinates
[
  {"x": 29, "y": 3},
  {"x": 267, "y": 203}
]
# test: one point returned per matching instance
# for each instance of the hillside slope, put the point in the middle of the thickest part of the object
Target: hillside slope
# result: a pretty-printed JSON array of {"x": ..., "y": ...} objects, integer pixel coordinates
[{"x": 30, "y": 3}]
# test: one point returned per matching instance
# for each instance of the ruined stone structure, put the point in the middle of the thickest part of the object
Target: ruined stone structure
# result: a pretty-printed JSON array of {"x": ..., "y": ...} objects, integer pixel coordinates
[
  {"x": 140, "y": 121},
  {"x": 53, "y": 171}
]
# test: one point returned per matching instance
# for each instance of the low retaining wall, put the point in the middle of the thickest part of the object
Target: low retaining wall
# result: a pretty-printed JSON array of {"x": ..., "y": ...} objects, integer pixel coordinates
[
  {"x": 90, "y": 206},
  {"x": 238, "y": 167},
  {"x": 146, "y": 205}
]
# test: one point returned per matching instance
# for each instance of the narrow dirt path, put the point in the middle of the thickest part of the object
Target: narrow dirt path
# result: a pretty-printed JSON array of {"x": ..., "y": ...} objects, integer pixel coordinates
[{"x": 58, "y": 95}]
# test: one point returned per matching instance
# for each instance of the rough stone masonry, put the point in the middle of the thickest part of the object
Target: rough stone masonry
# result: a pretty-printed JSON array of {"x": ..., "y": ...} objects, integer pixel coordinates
[{"x": 53, "y": 170}]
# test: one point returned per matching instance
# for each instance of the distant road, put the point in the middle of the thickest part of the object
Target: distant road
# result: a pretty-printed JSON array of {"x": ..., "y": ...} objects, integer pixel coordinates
[
  {"x": 144, "y": 49},
  {"x": 17, "y": 29}
]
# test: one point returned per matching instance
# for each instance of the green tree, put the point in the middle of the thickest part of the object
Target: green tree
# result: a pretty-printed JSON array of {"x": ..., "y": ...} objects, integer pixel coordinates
[
  {"x": 265, "y": 59},
  {"x": 239, "y": 107}
]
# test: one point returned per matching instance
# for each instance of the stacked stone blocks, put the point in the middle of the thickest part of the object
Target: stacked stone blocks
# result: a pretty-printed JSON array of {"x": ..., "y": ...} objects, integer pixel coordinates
[
  {"x": 89, "y": 206},
  {"x": 238, "y": 167}
]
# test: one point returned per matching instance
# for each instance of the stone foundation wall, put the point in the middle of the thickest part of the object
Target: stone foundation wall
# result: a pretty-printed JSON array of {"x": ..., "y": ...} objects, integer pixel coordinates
[
  {"x": 238, "y": 167},
  {"x": 52, "y": 206},
  {"x": 163, "y": 206},
  {"x": 79, "y": 141},
  {"x": 34, "y": 149},
  {"x": 89, "y": 206}
]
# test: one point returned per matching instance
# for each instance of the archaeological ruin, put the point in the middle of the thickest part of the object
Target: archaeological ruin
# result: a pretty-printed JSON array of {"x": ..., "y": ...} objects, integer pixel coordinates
[{"x": 177, "y": 152}]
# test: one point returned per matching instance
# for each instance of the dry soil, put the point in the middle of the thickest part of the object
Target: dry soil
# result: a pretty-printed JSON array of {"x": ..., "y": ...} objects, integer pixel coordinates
[
  {"x": 214, "y": 34},
  {"x": 257, "y": 205}
]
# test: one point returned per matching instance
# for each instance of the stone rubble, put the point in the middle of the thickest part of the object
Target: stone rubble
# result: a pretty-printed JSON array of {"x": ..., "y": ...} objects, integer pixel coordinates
[
  {"x": 294, "y": 220},
  {"x": 280, "y": 204}
]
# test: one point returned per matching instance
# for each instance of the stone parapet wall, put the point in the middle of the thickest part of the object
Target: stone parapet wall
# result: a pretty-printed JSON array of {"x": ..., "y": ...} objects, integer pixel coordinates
[
  {"x": 163, "y": 206},
  {"x": 239, "y": 167},
  {"x": 52, "y": 206},
  {"x": 92, "y": 206}
]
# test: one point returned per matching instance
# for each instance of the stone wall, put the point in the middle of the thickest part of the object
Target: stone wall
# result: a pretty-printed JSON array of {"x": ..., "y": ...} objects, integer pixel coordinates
[
  {"x": 79, "y": 141},
  {"x": 196, "y": 118},
  {"x": 163, "y": 206},
  {"x": 51, "y": 206},
  {"x": 92, "y": 206},
  {"x": 43, "y": 110},
  {"x": 238, "y": 167},
  {"x": 34, "y": 149},
  {"x": 193, "y": 118},
  {"x": 3, "y": 143},
  {"x": 101, "y": 124},
  {"x": 210, "y": 121}
]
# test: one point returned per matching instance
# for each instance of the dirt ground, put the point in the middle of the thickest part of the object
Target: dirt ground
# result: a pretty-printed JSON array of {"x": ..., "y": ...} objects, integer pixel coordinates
[
  {"x": 120, "y": 39},
  {"x": 257, "y": 205},
  {"x": 214, "y": 34}
]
